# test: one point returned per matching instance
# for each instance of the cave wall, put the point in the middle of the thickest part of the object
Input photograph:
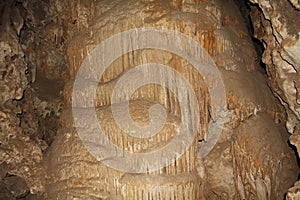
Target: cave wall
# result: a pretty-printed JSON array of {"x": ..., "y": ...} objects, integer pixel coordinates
[
  {"x": 42, "y": 48},
  {"x": 21, "y": 157},
  {"x": 32, "y": 76},
  {"x": 276, "y": 25}
]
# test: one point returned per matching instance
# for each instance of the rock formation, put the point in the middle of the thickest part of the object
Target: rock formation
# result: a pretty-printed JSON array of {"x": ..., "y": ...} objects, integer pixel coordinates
[
  {"x": 275, "y": 24},
  {"x": 44, "y": 44}
]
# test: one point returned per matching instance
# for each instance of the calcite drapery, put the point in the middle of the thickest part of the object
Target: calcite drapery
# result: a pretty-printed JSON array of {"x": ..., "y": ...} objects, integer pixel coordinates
[
  {"x": 222, "y": 174},
  {"x": 251, "y": 159}
]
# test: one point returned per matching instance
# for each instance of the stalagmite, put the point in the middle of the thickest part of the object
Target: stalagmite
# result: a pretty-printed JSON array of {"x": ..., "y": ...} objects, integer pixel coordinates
[
  {"x": 218, "y": 30},
  {"x": 201, "y": 76}
]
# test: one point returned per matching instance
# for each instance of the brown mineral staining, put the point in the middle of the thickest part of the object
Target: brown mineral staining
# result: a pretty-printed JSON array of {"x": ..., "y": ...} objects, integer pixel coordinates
[{"x": 42, "y": 47}]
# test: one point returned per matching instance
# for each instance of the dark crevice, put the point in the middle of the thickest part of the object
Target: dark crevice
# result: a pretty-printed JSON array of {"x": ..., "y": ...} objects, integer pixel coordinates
[
  {"x": 295, "y": 152},
  {"x": 245, "y": 8}
]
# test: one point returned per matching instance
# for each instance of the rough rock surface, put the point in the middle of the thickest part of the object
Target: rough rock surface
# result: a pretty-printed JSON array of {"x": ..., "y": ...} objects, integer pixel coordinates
[
  {"x": 276, "y": 25},
  {"x": 42, "y": 45},
  {"x": 26, "y": 112},
  {"x": 22, "y": 156},
  {"x": 243, "y": 165}
]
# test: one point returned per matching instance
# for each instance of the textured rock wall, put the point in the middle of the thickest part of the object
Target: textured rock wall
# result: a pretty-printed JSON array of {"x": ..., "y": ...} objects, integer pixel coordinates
[
  {"x": 19, "y": 155},
  {"x": 42, "y": 45},
  {"x": 30, "y": 102},
  {"x": 251, "y": 160},
  {"x": 276, "y": 25}
]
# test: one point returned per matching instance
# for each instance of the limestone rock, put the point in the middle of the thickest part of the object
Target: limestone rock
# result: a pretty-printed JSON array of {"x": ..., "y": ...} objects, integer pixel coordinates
[
  {"x": 42, "y": 154},
  {"x": 222, "y": 174},
  {"x": 274, "y": 24},
  {"x": 21, "y": 155},
  {"x": 17, "y": 186},
  {"x": 13, "y": 66},
  {"x": 293, "y": 192}
]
